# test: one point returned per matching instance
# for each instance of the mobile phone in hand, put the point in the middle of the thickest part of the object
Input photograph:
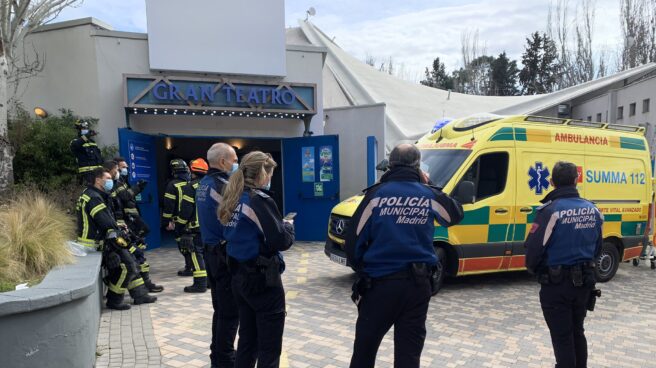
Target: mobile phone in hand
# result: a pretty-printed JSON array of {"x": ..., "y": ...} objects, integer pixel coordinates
[{"x": 290, "y": 216}]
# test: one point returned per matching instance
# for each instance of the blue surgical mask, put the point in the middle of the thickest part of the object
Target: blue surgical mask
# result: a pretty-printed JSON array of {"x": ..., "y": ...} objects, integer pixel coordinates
[
  {"x": 267, "y": 186},
  {"x": 109, "y": 185},
  {"x": 84, "y": 131},
  {"x": 235, "y": 167},
  {"x": 124, "y": 171}
]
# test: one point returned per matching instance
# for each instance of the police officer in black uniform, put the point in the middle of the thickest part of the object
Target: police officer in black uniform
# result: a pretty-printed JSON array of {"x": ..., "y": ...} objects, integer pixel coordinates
[
  {"x": 256, "y": 234},
  {"x": 390, "y": 244},
  {"x": 171, "y": 207},
  {"x": 223, "y": 161},
  {"x": 86, "y": 152},
  {"x": 562, "y": 245}
]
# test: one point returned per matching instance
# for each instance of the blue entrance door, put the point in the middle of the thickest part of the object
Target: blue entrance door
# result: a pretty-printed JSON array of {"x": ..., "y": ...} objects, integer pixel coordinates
[
  {"x": 140, "y": 153},
  {"x": 311, "y": 183}
]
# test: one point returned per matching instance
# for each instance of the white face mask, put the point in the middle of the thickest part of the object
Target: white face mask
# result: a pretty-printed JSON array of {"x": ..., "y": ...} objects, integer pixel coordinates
[{"x": 117, "y": 176}]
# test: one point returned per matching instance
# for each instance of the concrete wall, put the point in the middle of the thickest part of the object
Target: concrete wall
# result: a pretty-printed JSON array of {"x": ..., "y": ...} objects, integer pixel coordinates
[
  {"x": 353, "y": 125},
  {"x": 54, "y": 324}
]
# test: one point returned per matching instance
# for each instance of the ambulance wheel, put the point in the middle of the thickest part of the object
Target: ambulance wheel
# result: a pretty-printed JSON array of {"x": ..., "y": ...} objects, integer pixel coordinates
[
  {"x": 636, "y": 262},
  {"x": 440, "y": 272},
  {"x": 608, "y": 262}
]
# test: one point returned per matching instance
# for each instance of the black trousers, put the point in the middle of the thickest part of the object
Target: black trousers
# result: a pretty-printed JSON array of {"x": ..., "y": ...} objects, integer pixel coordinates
[
  {"x": 261, "y": 321},
  {"x": 402, "y": 303},
  {"x": 118, "y": 278},
  {"x": 564, "y": 309},
  {"x": 225, "y": 319}
]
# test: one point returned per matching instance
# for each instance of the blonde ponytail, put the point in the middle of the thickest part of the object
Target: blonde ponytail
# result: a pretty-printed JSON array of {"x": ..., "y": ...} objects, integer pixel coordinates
[{"x": 252, "y": 167}]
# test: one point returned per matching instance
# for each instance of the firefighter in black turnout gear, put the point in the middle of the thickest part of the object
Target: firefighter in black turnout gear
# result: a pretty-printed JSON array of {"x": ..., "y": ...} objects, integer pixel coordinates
[
  {"x": 561, "y": 249},
  {"x": 171, "y": 207},
  {"x": 390, "y": 243},
  {"x": 223, "y": 161},
  {"x": 187, "y": 228},
  {"x": 97, "y": 228},
  {"x": 126, "y": 211},
  {"x": 256, "y": 234},
  {"x": 86, "y": 152}
]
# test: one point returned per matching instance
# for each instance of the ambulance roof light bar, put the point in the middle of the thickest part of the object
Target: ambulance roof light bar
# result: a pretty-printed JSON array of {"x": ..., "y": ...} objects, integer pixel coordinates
[
  {"x": 586, "y": 124},
  {"x": 626, "y": 128},
  {"x": 545, "y": 120}
]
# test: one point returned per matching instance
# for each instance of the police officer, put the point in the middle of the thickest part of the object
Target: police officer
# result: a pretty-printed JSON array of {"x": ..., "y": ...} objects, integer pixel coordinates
[
  {"x": 222, "y": 160},
  {"x": 86, "y": 151},
  {"x": 97, "y": 228},
  {"x": 390, "y": 244},
  {"x": 256, "y": 234},
  {"x": 171, "y": 207},
  {"x": 562, "y": 245},
  {"x": 127, "y": 211},
  {"x": 187, "y": 228}
]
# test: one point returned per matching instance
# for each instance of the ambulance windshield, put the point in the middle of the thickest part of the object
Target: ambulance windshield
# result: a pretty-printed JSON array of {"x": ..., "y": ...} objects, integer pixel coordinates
[{"x": 441, "y": 164}]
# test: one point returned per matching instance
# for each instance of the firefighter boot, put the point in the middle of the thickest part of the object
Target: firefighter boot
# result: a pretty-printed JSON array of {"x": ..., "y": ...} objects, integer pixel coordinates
[
  {"x": 199, "y": 286},
  {"x": 150, "y": 285},
  {"x": 140, "y": 295},
  {"x": 115, "y": 301},
  {"x": 188, "y": 269}
]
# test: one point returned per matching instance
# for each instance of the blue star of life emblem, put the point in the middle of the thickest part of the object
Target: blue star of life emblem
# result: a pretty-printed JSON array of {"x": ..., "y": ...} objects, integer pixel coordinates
[{"x": 539, "y": 178}]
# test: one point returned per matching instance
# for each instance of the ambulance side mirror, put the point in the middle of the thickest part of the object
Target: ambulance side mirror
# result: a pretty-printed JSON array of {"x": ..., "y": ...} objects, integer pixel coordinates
[
  {"x": 465, "y": 192},
  {"x": 383, "y": 165}
]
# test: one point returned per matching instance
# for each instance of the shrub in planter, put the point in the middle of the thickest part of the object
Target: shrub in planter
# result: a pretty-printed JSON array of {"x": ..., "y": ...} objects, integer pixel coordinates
[{"x": 33, "y": 235}]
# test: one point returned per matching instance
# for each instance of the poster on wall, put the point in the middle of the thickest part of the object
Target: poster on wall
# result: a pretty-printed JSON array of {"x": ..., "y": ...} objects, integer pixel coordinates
[
  {"x": 308, "y": 164},
  {"x": 326, "y": 159},
  {"x": 140, "y": 167}
]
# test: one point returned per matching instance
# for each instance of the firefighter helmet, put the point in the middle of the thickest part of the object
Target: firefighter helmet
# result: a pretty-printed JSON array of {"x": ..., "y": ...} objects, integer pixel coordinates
[{"x": 199, "y": 166}]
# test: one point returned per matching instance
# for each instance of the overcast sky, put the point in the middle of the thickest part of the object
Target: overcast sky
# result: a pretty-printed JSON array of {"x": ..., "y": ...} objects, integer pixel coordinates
[{"x": 412, "y": 32}]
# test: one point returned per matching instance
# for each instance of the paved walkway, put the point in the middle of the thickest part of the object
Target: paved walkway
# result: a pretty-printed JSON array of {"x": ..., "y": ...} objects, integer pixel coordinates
[{"x": 480, "y": 321}]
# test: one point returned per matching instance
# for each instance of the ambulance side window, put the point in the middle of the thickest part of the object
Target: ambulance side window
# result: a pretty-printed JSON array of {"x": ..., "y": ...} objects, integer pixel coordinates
[{"x": 489, "y": 174}]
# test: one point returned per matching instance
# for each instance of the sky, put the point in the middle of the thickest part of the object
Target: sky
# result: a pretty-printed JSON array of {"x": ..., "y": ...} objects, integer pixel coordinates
[{"x": 411, "y": 32}]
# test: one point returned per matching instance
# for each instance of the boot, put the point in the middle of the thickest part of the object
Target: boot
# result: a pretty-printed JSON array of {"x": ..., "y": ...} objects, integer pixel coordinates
[
  {"x": 199, "y": 286},
  {"x": 115, "y": 301},
  {"x": 140, "y": 295},
  {"x": 150, "y": 285},
  {"x": 187, "y": 270}
]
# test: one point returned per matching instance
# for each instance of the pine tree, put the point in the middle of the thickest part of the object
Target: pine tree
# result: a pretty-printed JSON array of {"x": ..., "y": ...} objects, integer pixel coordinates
[
  {"x": 503, "y": 76},
  {"x": 437, "y": 77},
  {"x": 540, "y": 60}
]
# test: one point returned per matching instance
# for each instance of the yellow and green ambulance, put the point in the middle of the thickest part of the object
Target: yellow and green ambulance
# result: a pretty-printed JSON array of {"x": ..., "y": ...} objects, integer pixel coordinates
[{"x": 508, "y": 160}]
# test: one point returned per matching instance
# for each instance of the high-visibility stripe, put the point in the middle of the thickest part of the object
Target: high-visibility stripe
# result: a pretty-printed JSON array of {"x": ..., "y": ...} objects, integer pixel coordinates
[
  {"x": 85, "y": 219},
  {"x": 198, "y": 274},
  {"x": 90, "y": 144},
  {"x": 97, "y": 209},
  {"x": 132, "y": 211},
  {"x": 133, "y": 249},
  {"x": 179, "y": 186},
  {"x": 117, "y": 287},
  {"x": 85, "y": 169},
  {"x": 91, "y": 243},
  {"x": 181, "y": 221},
  {"x": 167, "y": 215},
  {"x": 188, "y": 199},
  {"x": 85, "y": 198},
  {"x": 169, "y": 196},
  {"x": 194, "y": 259},
  {"x": 145, "y": 267},
  {"x": 135, "y": 283}
]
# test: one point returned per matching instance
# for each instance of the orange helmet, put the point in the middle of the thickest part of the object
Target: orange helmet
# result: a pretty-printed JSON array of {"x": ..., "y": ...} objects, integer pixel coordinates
[{"x": 199, "y": 165}]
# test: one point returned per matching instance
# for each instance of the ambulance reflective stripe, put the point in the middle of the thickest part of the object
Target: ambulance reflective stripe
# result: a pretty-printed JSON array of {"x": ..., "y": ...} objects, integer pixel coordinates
[
  {"x": 135, "y": 283},
  {"x": 116, "y": 288},
  {"x": 248, "y": 212},
  {"x": 366, "y": 214},
  {"x": 198, "y": 272},
  {"x": 97, "y": 209}
]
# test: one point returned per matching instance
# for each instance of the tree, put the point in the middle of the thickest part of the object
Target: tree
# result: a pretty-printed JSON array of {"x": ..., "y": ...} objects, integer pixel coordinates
[
  {"x": 540, "y": 71},
  {"x": 503, "y": 76},
  {"x": 638, "y": 22},
  {"x": 437, "y": 77},
  {"x": 18, "y": 18}
]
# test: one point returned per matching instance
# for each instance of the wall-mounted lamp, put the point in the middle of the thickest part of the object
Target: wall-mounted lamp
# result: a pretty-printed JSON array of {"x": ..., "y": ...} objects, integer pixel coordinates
[
  {"x": 168, "y": 143},
  {"x": 40, "y": 112}
]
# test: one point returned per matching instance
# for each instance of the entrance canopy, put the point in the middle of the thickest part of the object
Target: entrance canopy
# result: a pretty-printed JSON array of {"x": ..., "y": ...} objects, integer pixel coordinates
[{"x": 167, "y": 95}]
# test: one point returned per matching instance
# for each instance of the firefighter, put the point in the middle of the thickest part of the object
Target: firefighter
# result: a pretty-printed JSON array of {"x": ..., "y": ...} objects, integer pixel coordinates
[
  {"x": 394, "y": 259},
  {"x": 171, "y": 206},
  {"x": 187, "y": 228},
  {"x": 561, "y": 249},
  {"x": 86, "y": 152},
  {"x": 126, "y": 210},
  {"x": 97, "y": 228}
]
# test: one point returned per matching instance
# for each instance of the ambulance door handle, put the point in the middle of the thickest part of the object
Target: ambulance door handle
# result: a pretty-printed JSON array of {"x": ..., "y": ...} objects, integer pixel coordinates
[
  {"x": 501, "y": 211},
  {"x": 526, "y": 210}
]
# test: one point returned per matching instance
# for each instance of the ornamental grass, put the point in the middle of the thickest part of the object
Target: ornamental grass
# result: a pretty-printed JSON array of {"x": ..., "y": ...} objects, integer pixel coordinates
[{"x": 33, "y": 236}]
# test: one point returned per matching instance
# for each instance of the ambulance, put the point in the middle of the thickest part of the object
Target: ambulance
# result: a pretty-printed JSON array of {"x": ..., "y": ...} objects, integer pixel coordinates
[{"x": 499, "y": 168}]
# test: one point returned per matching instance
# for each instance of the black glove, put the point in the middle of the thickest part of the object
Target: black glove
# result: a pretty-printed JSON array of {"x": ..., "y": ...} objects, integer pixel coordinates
[
  {"x": 141, "y": 184},
  {"x": 187, "y": 242},
  {"x": 111, "y": 260}
]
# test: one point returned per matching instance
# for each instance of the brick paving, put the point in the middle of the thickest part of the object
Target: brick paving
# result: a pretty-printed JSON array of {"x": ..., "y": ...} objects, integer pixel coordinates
[{"x": 478, "y": 321}]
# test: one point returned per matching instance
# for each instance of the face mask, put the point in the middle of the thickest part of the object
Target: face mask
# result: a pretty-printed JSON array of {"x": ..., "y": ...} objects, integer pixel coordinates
[
  {"x": 108, "y": 185},
  {"x": 84, "y": 131},
  {"x": 117, "y": 176},
  {"x": 267, "y": 186},
  {"x": 124, "y": 172},
  {"x": 235, "y": 167}
]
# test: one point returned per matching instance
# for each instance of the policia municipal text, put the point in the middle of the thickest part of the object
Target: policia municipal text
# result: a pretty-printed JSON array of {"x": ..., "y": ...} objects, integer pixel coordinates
[
  {"x": 395, "y": 259},
  {"x": 562, "y": 245}
]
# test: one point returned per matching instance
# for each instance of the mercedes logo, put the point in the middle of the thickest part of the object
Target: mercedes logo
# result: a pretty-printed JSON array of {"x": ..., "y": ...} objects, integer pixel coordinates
[{"x": 339, "y": 227}]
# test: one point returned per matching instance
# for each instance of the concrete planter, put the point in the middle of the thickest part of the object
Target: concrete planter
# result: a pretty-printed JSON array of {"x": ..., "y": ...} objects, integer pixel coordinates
[{"x": 54, "y": 324}]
